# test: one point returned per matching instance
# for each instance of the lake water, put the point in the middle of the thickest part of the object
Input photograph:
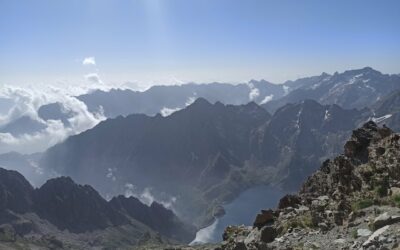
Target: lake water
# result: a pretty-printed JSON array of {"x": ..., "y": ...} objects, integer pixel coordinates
[{"x": 242, "y": 211}]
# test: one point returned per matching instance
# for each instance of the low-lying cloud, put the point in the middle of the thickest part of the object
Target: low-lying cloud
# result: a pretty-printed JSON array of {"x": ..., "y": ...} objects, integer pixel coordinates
[
  {"x": 27, "y": 101},
  {"x": 254, "y": 92},
  {"x": 147, "y": 196}
]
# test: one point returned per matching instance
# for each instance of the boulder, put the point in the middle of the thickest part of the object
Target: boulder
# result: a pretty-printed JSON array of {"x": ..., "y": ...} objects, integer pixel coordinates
[
  {"x": 385, "y": 219},
  {"x": 264, "y": 218},
  {"x": 375, "y": 236},
  {"x": 268, "y": 234},
  {"x": 289, "y": 200}
]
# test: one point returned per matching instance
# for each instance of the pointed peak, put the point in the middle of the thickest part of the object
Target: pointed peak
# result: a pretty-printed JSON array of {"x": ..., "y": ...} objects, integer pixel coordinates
[
  {"x": 200, "y": 102},
  {"x": 364, "y": 70}
]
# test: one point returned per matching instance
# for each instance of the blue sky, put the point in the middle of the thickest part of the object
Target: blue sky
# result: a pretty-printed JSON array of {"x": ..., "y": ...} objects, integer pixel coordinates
[{"x": 156, "y": 41}]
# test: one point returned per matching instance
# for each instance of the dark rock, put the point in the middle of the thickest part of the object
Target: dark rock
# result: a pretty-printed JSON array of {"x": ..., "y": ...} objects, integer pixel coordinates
[
  {"x": 268, "y": 234},
  {"x": 240, "y": 246},
  {"x": 289, "y": 200},
  {"x": 357, "y": 146},
  {"x": 264, "y": 218},
  {"x": 384, "y": 219}
]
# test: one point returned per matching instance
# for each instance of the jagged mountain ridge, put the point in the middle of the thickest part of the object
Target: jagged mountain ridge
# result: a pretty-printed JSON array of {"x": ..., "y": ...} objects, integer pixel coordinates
[
  {"x": 211, "y": 151},
  {"x": 358, "y": 88},
  {"x": 349, "y": 89},
  {"x": 60, "y": 204},
  {"x": 125, "y": 102}
]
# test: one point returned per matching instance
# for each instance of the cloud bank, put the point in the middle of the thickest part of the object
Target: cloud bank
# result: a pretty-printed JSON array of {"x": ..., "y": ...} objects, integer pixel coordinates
[{"x": 27, "y": 101}]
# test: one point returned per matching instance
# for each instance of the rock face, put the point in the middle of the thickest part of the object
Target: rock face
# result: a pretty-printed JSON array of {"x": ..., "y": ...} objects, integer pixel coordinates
[
  {"x": 211, "y": 151},
  {"x": 339, "y": 204},
  {"x": 61, "y": 205}
]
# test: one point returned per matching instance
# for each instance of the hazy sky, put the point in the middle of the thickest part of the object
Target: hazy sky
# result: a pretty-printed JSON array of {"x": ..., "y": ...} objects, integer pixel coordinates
[{"x": 156, "y": 41}]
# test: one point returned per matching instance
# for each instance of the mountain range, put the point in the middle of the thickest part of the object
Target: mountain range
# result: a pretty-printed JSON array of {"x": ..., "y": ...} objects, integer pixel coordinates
[
  {"x": 185, "y": 151},
  {"x": 212, "y": 152},
  {"x": 357, "y": 88}
]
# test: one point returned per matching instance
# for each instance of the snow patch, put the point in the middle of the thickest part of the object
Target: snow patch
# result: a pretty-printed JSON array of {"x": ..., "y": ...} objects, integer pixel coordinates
[
  {"x": 327, "y": 115},
  {"x": 382, "y": 118}
]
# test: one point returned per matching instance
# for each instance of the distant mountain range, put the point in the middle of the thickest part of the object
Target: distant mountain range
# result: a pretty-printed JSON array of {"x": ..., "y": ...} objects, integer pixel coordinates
[
  {"x": 351, "y": 89},
  {"x": 358, "y": 88},
  {"x": 79, "y": 217}
]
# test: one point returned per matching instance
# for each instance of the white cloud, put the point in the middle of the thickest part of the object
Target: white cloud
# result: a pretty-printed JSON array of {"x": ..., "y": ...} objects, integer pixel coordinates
[
  {"x": 190, "y": 101},
  {"x": 89, "y": 61},
  {"x": 147, "y": 197},
  {"x": 267, "y": 99},
  {"x": 93, "y": 78},
  {"x": 254, "y": 92},
  {"x": 26, "y": 103},
  {"x": 167, "y": 111}
]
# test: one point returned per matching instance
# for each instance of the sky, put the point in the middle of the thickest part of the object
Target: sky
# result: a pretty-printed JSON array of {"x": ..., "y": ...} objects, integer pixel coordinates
[{"x": 146, "y": 42}]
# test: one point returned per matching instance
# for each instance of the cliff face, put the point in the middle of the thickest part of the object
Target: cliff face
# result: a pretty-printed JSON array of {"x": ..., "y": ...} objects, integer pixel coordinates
[{"x": 352, "y": 201}]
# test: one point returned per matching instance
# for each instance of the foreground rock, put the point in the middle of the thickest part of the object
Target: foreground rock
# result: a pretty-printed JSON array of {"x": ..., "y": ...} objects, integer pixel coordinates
[{"x": 350, "y": 203}]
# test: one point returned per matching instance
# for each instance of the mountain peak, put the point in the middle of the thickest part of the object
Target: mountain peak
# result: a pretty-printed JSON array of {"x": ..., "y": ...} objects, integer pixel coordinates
[
  {"x": 201, "y": 102},
  {"x": 365, "y": 70}
]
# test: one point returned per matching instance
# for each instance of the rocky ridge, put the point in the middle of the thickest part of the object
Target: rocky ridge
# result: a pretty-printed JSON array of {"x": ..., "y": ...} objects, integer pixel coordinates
[
  {"x": 352, "y": 202},
  {"x": 64, "y": 215}
]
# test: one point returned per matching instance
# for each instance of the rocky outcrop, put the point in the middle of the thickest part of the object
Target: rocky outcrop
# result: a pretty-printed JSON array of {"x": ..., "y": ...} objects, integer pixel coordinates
[{"x": 339, "y": 205}]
